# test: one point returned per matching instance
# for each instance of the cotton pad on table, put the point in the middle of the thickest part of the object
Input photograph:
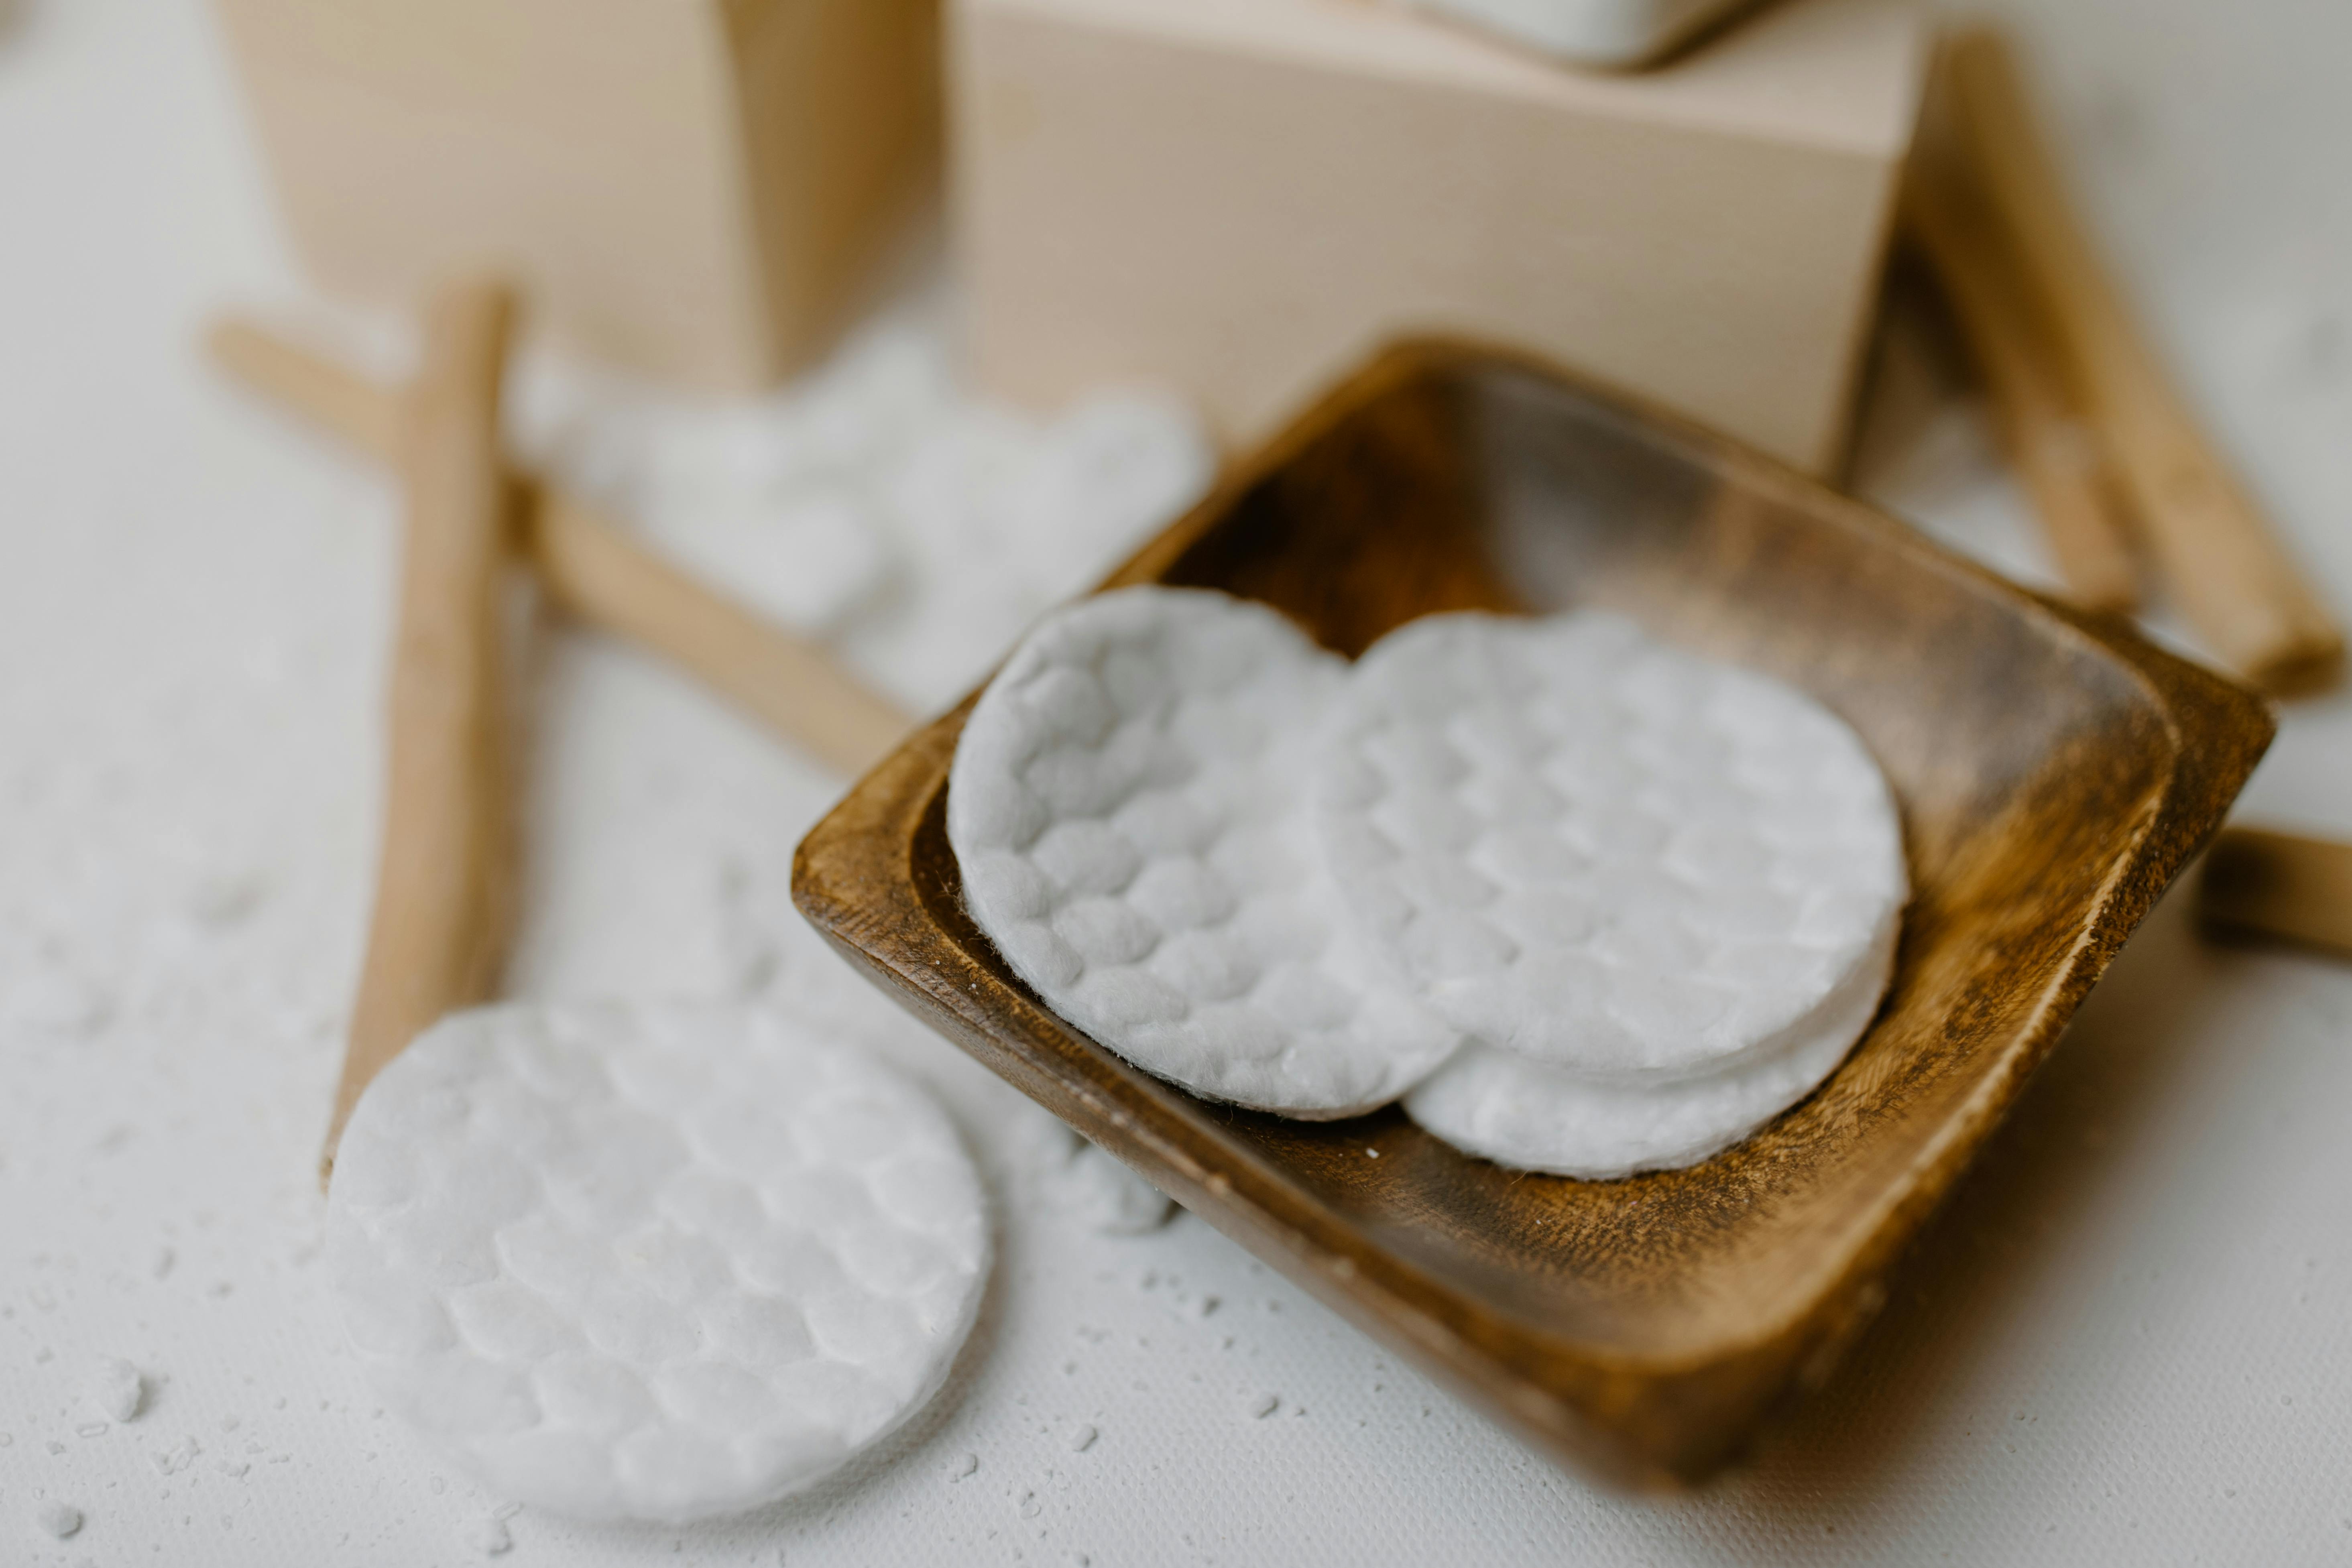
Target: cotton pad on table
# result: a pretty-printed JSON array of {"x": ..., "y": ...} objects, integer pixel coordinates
[{"x": 651, "y": 1262}]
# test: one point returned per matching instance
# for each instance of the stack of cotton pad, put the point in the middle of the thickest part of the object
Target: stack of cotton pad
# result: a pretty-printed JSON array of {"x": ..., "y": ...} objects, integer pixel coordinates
[
  {"x": 651, "y": 1263},
  {"x": 1590, "y": 904},
  {"x": 1659, "y": 896}
]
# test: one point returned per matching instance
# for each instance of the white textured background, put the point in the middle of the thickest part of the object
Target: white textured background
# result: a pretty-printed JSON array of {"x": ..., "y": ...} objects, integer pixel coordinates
[{"x": 2127, "y": 1340}]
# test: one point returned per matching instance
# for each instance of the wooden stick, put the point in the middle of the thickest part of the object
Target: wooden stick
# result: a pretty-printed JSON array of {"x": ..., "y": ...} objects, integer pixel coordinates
[
  {"x": 2230, "y": 574},
  {"x": 2279, "y": 886},
  {"x": 442, "y": 894},
  {"x": 367, "y": 416},
  {"x": 597, "y": 573},
  {"x": 2057, "y": 455}
]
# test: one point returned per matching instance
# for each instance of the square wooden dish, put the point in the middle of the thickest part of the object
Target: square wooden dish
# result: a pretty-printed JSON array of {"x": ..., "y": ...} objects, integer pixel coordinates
[{"x": 2054, "y": 773}]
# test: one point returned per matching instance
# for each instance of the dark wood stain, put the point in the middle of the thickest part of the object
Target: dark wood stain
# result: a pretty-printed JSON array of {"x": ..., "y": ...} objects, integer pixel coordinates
[{"x": 2055, "y": 772}]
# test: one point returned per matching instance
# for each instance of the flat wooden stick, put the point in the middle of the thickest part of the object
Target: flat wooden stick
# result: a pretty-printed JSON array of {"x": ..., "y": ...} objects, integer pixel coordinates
[
  {"x": 443, "y": 893},
  {"x": 2230, "y": 574},
  {"x": 2279, "y": 886},
  {"x": 596, "y": 573},
  {"x": 2056, "y": 454}
]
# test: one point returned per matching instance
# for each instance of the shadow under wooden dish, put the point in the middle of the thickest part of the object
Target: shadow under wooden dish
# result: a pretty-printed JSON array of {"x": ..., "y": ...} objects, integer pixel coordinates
[{"x": 2054, "y": 773}]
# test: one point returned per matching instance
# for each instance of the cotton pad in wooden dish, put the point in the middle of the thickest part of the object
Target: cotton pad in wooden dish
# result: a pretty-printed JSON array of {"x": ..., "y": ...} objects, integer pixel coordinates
[
  {"x": 1131, "y": 810},
  {"x": 652, "y": 1262}
]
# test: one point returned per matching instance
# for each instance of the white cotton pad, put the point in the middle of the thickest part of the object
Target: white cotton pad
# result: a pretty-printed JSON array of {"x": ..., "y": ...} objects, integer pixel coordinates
[
  {"x": 651, "y": 1263},
  {"x": 1608, "y": 32},
  {"x": 1532, "y": 1116},
  {"x": 1600, "y": 852},
  {"x": 1128, "y": 809}
]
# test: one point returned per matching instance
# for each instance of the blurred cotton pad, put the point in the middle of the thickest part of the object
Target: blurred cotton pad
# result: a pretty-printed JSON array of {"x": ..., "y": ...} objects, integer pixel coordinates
[
  {"x": 660, "y": 1263},
  {"x": 1128, "y": 806},
  {"x": 1613, "y": 33}
]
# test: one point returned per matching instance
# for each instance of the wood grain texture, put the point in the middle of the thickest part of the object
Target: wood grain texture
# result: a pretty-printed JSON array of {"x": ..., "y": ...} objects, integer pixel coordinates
[
  {"x": 2053, "y": 773},
  {"x": 2224, "y": 566},
  {"x": 444, "y": 891},
  {"x": 2279, "y": 887},
  {"x": 597, "y": 573},
  {"x": 2058, "y": 455}
]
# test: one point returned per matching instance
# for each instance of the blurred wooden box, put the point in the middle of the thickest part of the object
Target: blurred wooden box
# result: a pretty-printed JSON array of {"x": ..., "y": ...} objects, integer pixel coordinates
[
  {"x": 695, "y": 188},
  {"x": 1239, "y": 197}
]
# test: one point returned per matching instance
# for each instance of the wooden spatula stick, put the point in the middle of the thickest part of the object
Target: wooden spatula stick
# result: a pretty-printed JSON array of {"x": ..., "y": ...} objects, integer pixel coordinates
[
  {"x": 596, "y": 573},
  {"x": 2056, "y": 454},
  {"x": 2228, "y": 571},
  {"x": 2279, "y": 886},
  {"x": 436, "y": 937}
]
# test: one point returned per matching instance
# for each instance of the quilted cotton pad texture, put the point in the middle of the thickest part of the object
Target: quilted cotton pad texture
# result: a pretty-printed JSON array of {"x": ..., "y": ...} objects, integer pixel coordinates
[
  {"x": 656, "y": 1263},
  {"x": 1603, "y": 853},
  {"x": 1128, "y": 809},
  {"x": 1533, "y": 1116}
]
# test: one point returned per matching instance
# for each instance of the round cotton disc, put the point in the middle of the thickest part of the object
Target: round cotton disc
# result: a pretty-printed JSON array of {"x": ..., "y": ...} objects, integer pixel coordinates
[
  {"x": 1128, "y": 809},
  {"x": 1602, "y": 853},
  {"x": 1533, "y": 1116},
  {"x": 651, "y": 1263}
]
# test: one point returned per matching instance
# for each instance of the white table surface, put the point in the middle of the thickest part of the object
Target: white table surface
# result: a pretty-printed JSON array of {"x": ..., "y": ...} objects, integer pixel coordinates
[{"x": 2126, "y": 1338}]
